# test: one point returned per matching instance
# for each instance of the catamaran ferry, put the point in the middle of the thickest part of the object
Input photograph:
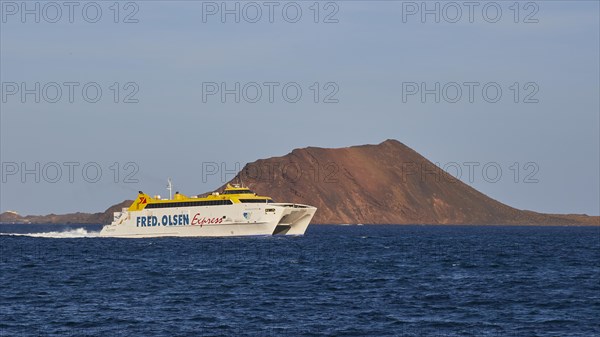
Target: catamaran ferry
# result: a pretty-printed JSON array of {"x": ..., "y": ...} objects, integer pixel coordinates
[{"x": 237, "y": 211}]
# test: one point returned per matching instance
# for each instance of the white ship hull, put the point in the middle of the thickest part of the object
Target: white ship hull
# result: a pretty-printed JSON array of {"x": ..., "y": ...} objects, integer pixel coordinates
[{"x": 239, "y": 219}]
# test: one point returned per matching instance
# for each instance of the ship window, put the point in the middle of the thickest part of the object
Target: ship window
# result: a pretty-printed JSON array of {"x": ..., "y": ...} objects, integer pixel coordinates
[
  {"x": 190, "y": 204},
  {"x": 238, "y": 192},
  {"x": 248, "y": 201}
]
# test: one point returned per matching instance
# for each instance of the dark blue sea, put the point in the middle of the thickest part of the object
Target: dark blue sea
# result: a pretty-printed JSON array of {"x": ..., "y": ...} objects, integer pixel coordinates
[{"x": 334, "y": 281}]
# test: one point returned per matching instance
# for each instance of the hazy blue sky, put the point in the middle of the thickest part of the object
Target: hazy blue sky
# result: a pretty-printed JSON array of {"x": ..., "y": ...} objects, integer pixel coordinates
[{"x": 372, "y": 55}]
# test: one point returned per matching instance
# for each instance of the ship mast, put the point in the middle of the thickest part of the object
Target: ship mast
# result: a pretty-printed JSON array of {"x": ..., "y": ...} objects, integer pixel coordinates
[{"x": 170, "y": 188}]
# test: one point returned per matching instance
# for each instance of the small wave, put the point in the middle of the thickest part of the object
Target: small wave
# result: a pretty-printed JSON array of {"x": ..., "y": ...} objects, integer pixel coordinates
[{"x": 66, "y": 234}]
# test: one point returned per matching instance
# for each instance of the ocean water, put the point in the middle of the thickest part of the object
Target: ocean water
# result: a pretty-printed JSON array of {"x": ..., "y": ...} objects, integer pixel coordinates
[{"x": 334, "y": 281}]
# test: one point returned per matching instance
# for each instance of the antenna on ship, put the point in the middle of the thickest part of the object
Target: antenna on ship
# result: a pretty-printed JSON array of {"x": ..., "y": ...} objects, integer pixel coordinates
[
  {"x": 240, "y": 179},
  {"x": 170, "y": 188}
]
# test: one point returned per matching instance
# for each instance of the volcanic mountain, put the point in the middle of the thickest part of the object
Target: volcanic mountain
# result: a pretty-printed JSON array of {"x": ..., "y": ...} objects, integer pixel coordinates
[{"x": 388, "y": 183}]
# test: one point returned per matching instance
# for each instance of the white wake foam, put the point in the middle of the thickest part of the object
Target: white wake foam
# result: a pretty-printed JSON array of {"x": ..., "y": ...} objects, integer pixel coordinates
[{"x": 66, "y": 234}]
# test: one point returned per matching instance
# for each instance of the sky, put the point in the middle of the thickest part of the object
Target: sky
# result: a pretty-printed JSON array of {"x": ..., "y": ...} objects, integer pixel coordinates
[{"x": 102, "y": 100}]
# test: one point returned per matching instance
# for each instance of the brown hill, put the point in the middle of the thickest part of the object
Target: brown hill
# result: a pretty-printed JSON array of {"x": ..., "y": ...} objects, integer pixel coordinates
[{"x": 388, "y": 183}]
